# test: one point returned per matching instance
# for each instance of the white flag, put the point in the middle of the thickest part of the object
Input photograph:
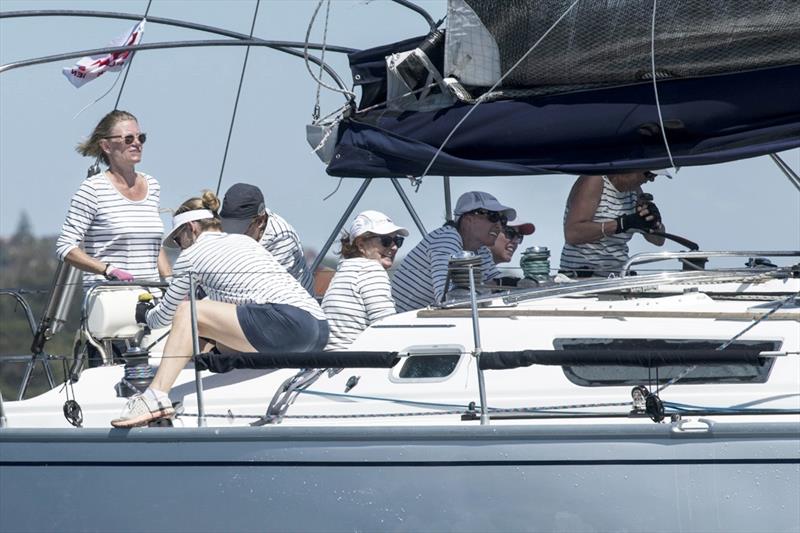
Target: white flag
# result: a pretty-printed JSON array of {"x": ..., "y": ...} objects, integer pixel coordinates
[{"x": 89, "y": 68}]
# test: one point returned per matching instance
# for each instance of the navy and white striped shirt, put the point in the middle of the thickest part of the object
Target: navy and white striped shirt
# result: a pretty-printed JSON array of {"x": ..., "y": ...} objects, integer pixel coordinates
[
  {"x": 231, "y": 268},
  {"x": 359, "y": 294},
  {"x": 420, "y": 279},
  {"x": 609, "y": 254},
  {"x": 114, "y": 229},
  {"x": 281, "y": 240}
]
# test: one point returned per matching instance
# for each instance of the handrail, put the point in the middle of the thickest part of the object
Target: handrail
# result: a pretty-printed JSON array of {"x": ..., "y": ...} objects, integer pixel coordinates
[
  {"x": 17, "y": 294},
  {"x": 653, "y": 257},
  {"x": 600, "y": 285}
]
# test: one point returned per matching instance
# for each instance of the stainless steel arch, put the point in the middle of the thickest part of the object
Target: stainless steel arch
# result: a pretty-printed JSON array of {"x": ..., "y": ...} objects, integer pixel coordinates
[{"x": 242, "y": 39}]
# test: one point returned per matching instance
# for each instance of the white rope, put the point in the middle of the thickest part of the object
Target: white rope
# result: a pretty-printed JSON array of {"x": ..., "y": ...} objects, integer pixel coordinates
[
  {"x": 308, "y": 64},
  {"x": 481, "y": 99},
  {"x": 655, "y": 83}
]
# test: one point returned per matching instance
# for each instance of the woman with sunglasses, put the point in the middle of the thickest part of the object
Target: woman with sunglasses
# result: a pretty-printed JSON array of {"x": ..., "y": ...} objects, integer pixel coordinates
[
  {"x": 360, "y": 293},
  {"x": 113, "y": 228},
  {"x": 420, "y": 279},
  {"x": 506, "y": 245},
  {"x": 253, "y": 304},
  {"x": 601, "y": 214}
]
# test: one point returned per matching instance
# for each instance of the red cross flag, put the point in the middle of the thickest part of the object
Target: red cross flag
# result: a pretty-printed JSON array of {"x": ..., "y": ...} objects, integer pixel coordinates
[{"x": 89, "y": 68}]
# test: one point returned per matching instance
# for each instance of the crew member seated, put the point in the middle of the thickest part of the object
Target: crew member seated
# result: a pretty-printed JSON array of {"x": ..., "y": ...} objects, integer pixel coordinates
[
  {"x": 506, "y": 245},
  {"x": 421, "y": 277}
]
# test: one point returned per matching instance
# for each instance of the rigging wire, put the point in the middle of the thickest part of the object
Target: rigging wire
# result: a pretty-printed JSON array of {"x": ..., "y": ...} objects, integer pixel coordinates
[
  {"x": 481, "y": 99},
  {"x": 655, "y": 83},
  {"x": 236, "y": 102},
  {"x": 350, "y": 94},
  {"x": 315, "y": 114},
  {"x": 130, "y": 62}
]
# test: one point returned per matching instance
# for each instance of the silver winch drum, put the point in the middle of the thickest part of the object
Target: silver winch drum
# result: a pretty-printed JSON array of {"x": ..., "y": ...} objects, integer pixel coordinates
[{"x": 458, "y": 269}]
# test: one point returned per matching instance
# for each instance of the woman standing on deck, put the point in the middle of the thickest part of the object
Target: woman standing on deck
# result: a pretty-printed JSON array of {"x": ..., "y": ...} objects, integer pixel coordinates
[
  {"x": 360, "y": 292},
  {"x": 114, "y": 214},
  {"x": 253, "y": 304}
]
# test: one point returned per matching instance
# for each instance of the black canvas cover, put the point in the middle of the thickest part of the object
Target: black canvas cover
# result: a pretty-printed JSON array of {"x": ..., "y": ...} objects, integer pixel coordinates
[{"x": 612, "y": 42}]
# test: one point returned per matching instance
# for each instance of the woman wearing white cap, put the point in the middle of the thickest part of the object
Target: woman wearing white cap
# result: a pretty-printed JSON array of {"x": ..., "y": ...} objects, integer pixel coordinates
[
  {"x": 420, "y": 279},
  {"x": 599, "y": 218},
  {"x": 253, "y": 304},
  {"x": 360, "y": 292}
]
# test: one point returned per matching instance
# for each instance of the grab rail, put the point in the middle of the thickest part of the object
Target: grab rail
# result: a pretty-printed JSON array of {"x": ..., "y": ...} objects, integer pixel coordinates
[{"x": 653, "y": 257}]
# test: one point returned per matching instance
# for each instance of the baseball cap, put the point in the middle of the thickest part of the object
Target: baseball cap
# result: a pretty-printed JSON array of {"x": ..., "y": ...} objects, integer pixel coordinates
[
  {"x": 524, "y": 228},
  {"x": 374, "y": 222},
  {"x": 242, "y": 202},
  {"x": 472, "y": 200}
]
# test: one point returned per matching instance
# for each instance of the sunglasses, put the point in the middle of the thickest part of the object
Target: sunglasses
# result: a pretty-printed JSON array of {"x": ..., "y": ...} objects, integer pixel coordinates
[
  {"x": 650, "y": 175},
  {"x": 512, "y": 234},
  {"x": 178, "y": 237},
  {"x": 491, "y": 216},
  {"x": 142, "y": 138},
  {"x": 388, "y": 240}
]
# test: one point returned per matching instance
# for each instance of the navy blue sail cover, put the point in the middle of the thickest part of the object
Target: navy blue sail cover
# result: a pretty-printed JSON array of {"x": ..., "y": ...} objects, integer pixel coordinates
[{"x": 586, "y": 102}]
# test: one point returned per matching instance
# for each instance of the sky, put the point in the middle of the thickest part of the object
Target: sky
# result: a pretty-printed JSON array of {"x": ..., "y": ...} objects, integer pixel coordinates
[{"x": 184, "y": 100}]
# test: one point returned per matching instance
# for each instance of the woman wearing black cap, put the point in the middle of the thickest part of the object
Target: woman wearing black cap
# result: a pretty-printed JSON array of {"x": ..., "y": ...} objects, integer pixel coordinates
[
  {"x": 243, "y": 211},
  {"x": 253, "y": 304}
]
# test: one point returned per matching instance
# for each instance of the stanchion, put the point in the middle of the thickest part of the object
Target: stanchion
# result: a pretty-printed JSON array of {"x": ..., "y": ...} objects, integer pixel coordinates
[
  {"x": 201, "y": 411},
  {"x": 476, "y": 334}
]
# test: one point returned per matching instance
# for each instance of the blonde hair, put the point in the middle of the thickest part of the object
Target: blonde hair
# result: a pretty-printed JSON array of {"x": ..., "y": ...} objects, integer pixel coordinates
[
  {"x": 209, "y": 201},
  {"x": 91, "y": 146}
]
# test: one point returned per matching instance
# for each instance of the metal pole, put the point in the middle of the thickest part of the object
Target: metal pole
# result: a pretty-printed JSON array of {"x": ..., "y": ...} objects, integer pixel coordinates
[
  {"x": 476, "y": 333},
  {"x": 198, "y": 380},
  {"x": 787, "y": 170},
  {"x": 340, "y": 224},
  {"x": 408, "y": 205},
  {"x": 448, "y": 201},
  {"x": 3, "y": 421}
]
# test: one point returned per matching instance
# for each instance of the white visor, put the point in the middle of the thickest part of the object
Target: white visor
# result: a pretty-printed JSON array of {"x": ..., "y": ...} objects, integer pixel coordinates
[{"x": 180, "y": 220}]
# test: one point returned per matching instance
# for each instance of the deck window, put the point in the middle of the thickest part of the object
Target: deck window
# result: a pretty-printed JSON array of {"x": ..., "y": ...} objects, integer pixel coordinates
[{"x": 616, "y": 375}]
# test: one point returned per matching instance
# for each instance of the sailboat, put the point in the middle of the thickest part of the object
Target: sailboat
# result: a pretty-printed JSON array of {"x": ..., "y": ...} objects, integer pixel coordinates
[{"x": 667, "y": 400}]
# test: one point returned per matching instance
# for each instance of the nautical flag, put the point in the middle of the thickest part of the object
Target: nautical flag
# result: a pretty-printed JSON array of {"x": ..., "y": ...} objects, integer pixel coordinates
[{"x": 89, "y": 68}]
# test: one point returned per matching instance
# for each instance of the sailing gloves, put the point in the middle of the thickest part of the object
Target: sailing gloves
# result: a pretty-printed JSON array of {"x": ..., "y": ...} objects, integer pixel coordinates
[
  {"x": 117, "y": 274},
  {"x": 646, "y": 218},
  {"x": 144, "y": 304}
]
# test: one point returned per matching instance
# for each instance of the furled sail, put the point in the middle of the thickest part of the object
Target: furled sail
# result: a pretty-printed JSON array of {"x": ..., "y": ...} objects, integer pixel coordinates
[{"x": 531, "y": 87}]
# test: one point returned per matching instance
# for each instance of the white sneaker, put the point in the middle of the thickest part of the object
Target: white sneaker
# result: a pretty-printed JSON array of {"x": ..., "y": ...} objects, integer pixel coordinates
[{"x": 142, "y": 410}]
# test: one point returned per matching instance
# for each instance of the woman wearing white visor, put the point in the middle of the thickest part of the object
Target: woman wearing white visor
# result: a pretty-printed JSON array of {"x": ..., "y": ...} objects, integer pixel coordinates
[
  {"x": 253, "y": 304},
  {"x": 360, "y": 292}
]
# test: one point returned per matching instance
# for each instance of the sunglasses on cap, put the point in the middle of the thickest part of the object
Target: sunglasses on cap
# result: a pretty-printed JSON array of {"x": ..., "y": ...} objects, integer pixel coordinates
[
  {"x": 388, "y": 240},
  {"x": 142, "y": 138},
  {"x": 491, "y": 216},
  {"x": 512, "y": 234}
]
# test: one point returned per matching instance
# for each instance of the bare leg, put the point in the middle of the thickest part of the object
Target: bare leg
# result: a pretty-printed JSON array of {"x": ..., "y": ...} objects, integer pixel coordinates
[{"x": 215, "y": 320}]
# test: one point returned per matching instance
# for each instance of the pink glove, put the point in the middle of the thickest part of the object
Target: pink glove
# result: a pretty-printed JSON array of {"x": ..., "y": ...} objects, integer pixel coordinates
[{"x": 119, "y": 274}]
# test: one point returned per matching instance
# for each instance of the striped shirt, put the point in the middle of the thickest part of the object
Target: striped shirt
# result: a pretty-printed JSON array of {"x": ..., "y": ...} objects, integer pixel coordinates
[
  {"x": 114, "y": 229},
  {"x": 281, "y": 240},
  {"x": 359, "y": 294},
  {"x": 421, "y": 277},
  {"x": 609, "y": 254},
  {"x": 234, "y": 269}
]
